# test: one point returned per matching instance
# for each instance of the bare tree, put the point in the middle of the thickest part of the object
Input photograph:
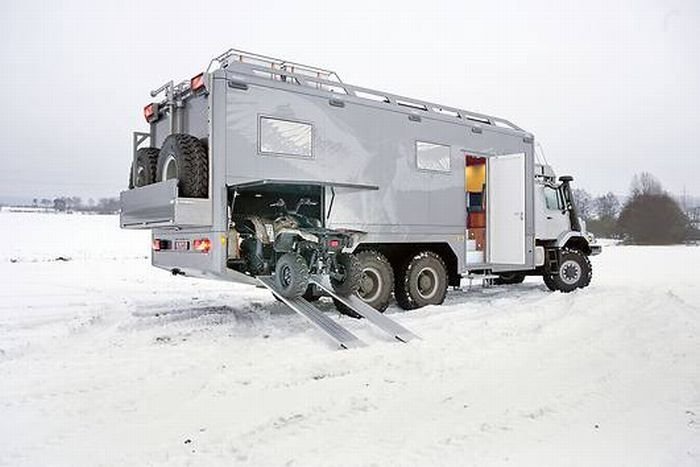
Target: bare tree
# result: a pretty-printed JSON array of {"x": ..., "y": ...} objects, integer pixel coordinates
[
  {"x": 607, "y": 206},
  {"x": 584, "y": 203},
  {"x": 645, "y": 184}
]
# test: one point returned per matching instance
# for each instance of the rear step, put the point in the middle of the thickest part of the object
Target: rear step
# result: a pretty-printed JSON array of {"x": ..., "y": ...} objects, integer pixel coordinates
[
  {"x": 335, "y": 331},
  {"x": 354, "y": 302}
]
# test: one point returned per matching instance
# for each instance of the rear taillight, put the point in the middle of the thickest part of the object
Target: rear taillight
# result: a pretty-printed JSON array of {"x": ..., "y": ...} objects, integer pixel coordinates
[
  {"x": 197, "y": 83},
  {"x": 203, "y": 245},
  {"x": 334, "y": 243},
  {"x": 150, "y": 112},
  {"x": 156, "y": 245}
]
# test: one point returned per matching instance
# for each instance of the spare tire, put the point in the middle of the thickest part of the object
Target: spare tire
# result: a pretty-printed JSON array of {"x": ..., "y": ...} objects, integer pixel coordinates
[
  {"x": 143, "y": 168},
  {"x": 185, "y": 158}
]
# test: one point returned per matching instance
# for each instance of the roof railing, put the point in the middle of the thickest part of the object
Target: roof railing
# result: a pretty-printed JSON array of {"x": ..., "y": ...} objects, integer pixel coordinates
[
  {"x": 241, "y": 56},
  {"x": 275, "y": 69},
  {"x": 414, "y": 105}
]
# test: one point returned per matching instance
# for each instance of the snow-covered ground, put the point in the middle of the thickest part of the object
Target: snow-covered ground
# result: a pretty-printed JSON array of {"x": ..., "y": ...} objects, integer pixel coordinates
[{"x": 105, "y": 360}]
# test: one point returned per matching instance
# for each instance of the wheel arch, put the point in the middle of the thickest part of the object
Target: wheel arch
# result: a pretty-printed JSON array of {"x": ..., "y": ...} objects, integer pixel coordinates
[{"x": 574, "y": 241}]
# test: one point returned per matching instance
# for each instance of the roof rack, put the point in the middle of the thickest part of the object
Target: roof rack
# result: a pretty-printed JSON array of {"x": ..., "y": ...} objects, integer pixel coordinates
[
  {"x": 276, "y": 69},
  {"x": 235, "y": 55}
]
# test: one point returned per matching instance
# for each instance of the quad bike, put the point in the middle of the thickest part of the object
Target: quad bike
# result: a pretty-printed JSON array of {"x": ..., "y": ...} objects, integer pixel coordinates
[{"x": 292, "y": 246}]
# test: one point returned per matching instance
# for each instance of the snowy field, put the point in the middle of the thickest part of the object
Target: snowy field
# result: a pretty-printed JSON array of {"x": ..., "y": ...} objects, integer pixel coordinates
[{"x": 105, "y": 360}]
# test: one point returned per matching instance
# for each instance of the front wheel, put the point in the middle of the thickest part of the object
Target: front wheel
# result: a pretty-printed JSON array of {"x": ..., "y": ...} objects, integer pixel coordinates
[
  {"x": 575, "y": 272},
  {"x": 291, "y": 275}
]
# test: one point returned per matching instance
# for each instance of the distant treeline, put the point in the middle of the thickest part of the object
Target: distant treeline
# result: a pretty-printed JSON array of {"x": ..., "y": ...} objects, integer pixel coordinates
[
  {"x": 76, "y": 204},
  {"x": 649, "y": 214}
]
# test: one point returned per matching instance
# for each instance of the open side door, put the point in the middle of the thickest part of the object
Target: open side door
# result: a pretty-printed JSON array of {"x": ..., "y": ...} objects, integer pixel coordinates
[{"x": 506, "y": 209}]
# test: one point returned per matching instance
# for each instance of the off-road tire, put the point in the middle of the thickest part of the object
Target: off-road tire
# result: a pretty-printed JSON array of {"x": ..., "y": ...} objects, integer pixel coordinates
[
  {"x": 575, "y": 272},
  {"x": 191, "y": 165},
  {"x": 291, "y": 275},
  {"x": 144, "y": 167},
  {"x": 377, "y": 280},
  {"x": 375, "y": 263},
  {"x": 352, "y": 272},
  {"x": 421, "y": 281},
  {"x": 549, "y": 282},
  {"x": 509, "y": 278}
]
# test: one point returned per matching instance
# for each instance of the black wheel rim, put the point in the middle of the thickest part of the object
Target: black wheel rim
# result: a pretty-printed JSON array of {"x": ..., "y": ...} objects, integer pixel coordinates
[{"x": 286, "y": 276}]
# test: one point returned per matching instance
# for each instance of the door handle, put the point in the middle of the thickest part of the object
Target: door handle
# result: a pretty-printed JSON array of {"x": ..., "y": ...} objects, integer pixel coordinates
[{"x": 549, "y": 218}]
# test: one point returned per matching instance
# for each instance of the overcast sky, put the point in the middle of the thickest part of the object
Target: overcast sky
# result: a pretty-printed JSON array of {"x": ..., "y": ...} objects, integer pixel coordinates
[{"x": 609, "y": 88}]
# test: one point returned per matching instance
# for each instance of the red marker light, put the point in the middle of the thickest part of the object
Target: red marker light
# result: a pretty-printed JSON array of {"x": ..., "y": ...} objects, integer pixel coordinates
[
  {"x": 150, "y": 112},
  {"x": 334, "y": 243},
  {"x": 197, "y": 83},
  {"x": 203, "y": 245}
]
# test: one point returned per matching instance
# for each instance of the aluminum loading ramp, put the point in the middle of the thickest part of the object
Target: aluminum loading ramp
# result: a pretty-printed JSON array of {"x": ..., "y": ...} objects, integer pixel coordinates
[
  {"x": 344, "y": 338},
  {"x": 335, "y": 331},
  {"x": 354, "y": 302}
]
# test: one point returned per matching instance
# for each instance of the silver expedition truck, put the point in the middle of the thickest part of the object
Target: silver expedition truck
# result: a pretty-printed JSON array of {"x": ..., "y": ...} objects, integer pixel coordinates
[{"x": 265, "y": 171}]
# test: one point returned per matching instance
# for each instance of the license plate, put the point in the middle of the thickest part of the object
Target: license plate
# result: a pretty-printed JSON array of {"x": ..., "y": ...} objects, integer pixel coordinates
[{"x": 182, "y": 245}]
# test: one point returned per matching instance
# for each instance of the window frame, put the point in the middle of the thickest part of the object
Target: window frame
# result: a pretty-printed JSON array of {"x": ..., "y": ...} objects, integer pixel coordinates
[
  {"x": 312, "y": 146},
  {"x": 429, "y": 170},
  {"x": 559, "y": 198}
]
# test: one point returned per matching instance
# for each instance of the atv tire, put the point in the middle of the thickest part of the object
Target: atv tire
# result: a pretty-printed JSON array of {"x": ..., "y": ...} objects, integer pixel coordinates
[
  {"x": 144, "y": 167},
  {"x": 291, "y": 275},
  {"x": 351, "y": 271},
  {"x": 185, "y": 158}
]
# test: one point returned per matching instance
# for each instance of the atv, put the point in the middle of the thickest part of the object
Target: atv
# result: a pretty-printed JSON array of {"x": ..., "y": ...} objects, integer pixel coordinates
[{"x": 292, "y": 247}]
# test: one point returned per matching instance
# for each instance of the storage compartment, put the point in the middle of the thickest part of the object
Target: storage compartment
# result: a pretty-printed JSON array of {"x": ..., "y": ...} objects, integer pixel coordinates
[
  {"x": 258, "y": 200},
  {"x": 157, "y": 205}
]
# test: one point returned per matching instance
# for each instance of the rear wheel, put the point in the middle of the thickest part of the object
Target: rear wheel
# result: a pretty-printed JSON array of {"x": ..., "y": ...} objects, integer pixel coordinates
[
  {"x": 422, "y": 281},
  {"x": 291, "y": 275},
  {"x": 144, "y": 167},
  {"x": 346, "y": 279},
  {"x": 376, "y": 283},
  {"x": 575, "y": 272},
  {"x": 183, "y": 157}
]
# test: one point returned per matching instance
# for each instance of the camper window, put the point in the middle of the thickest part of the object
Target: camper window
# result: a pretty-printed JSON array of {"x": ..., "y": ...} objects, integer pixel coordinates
[
  {"x": 431, "y": 156},
  {"x": 285, "y": 137}
]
